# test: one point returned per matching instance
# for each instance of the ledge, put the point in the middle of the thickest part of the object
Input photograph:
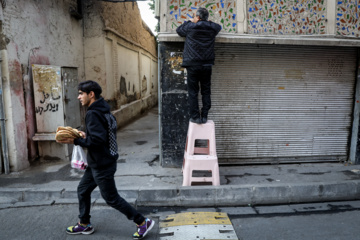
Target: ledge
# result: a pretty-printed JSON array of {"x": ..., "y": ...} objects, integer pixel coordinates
[
  {"x": 329, "y": 40},
  {"x": 133, "y": 110},
  {"x": 113, "y": 31},
  {"x": 44, "y": 137}
]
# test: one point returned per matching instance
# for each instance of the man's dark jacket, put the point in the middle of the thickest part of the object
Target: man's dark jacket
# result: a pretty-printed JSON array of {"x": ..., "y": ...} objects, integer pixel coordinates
[
  {"x": 100, "y": 138},
  {"x": 199, "y": 42}
]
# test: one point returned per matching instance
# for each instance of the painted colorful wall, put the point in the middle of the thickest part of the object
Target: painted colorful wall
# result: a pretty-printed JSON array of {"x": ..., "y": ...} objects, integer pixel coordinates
[
  {"x": 273, "y": 17},
  {"x": 306, "y": 17},
  {"x": 287, "y": 17},
  {"x": 347, "y": 18},
  {"x": 220, "y": 11}
]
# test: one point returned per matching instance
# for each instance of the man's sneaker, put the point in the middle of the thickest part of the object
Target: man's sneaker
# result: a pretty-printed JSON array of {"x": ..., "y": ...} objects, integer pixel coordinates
[
  {"x": 144, "y": 229},
  {"x": 80, "y": 229}
]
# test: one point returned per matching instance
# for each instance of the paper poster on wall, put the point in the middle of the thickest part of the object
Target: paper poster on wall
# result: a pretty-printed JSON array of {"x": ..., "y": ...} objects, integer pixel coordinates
[{"x": 48, "y": 98}]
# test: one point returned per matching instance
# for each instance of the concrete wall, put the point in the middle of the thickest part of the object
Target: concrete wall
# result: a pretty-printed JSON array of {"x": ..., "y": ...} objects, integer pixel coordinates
[
  {"x": 92, "y": 39},
  {"x": 123, "y": 60},
  {"x": 33, "y": 32}
]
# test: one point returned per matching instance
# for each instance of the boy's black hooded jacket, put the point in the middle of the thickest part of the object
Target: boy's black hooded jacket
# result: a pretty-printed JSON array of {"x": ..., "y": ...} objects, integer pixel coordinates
[
  {"x": 199, "y": 42},
  {"x": 100, "y": 138}
]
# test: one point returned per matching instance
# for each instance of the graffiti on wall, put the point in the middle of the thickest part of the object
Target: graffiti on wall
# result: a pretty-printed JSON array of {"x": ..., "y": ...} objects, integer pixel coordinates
[
  {"x": 347, "y": 18},
  {"x": 46, "y": 104},
  {"x": 304, "y": 17},
  {"x": 222, "y": 12}
]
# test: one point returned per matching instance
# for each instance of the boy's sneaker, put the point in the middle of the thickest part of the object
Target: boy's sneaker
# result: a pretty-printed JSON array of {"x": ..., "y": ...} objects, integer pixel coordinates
[
  {"x": 80, "y": 229},
  {"x": 144, "y": 229}
]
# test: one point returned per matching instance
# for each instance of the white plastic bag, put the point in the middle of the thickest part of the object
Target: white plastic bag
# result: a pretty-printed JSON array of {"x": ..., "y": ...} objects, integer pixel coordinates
[{"x": 78, "y": 158}]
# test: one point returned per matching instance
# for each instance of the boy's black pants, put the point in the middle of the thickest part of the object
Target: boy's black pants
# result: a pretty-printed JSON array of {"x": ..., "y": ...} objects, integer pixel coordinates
[{"x": 104, "y": 178}]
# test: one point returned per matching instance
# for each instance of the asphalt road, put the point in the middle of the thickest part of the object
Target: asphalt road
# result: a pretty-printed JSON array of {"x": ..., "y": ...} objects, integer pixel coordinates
[
  {"x": 311, "y": 224},
  {"x": 330, "y": 221},
  {"x": 50, "y": 222}
]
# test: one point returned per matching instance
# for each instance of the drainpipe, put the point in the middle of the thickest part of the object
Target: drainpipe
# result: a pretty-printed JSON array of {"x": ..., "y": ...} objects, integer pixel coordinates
[
  {"x": 159, "y": 104},
  {"x": 4, "y": 64},
  {"x": 1, "y": 107}
]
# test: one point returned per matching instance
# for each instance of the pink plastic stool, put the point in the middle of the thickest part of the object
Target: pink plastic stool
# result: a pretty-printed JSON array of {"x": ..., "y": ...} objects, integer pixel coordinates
[{"x": 202, "y": 159}]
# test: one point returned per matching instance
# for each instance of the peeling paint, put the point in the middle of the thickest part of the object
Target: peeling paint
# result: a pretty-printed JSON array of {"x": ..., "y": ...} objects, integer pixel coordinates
[
  {"x": 97, "y": 69},
  {"x": 46, "y": 78},
  {"x": 48, "y": 97},
  {"x": 21, "y": 131},
  {"x": 37, "y": 58},
  {"x": 123, "y": 86},
  {"x": 176, "y": 60},
  {"x": 125, "y": 96},
  {"x": 16, "y": 77},
  {"x": 143, "y": 86}
]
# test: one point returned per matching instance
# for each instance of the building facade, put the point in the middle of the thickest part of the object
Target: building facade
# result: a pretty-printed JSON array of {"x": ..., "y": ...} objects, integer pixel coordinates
[
  {"x": 47, "y": 47},
  {"x": 284, "y": 84}
]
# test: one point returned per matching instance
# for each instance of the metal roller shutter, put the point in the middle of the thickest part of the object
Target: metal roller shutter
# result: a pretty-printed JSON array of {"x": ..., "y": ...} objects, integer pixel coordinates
[{"x": 282, "y": 103}]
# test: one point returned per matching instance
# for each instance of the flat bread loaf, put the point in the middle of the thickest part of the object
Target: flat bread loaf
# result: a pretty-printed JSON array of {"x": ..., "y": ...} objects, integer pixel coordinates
[{"x": 63, "y": 133}]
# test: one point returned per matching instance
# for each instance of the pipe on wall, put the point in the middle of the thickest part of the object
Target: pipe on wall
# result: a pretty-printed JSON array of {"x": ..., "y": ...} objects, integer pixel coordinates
[
  {"x": 159, "y": 103},
  {"x": 3, "y": 72}
]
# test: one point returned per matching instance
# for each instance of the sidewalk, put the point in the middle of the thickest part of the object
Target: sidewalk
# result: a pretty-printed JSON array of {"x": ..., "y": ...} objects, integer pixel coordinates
[{"x": 142, "y": 181}]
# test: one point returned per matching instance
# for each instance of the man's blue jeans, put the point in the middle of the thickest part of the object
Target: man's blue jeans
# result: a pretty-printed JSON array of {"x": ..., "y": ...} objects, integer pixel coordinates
[
  {"x": 104, "y": 178},
  {"x": 196, "y": 75}
]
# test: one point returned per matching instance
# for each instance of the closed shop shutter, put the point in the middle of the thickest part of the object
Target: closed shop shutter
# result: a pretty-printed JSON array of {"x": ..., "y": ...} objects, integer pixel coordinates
[{"x": 282, "y": 103}]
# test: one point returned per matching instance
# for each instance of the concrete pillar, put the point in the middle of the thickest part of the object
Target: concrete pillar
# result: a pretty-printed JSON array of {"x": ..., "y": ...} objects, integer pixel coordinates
[
  {"x": 174, "y": 118},
  {"x": 354, "y": 155},
  {"x": 331, "y": 17},
  {"x": 242, "y": 17},
  {"x": 15, "y": 114},
  {"x": 163, "y": 18}
]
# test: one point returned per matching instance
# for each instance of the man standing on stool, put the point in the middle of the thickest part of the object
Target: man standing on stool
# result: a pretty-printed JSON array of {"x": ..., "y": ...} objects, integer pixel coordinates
[{"x": 198, "y": 58}]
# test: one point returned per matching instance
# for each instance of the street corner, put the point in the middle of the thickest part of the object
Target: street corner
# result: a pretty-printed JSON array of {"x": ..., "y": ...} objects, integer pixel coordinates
[{"x": 197, "y": 225}]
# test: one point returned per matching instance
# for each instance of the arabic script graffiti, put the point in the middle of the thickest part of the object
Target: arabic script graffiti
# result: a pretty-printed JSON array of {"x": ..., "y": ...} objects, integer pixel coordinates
[{"x": 46, "y": 103}]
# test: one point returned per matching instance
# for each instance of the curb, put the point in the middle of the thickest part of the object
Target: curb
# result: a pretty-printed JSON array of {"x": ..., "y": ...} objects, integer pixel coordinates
[
  {"x": 243, "y": 195},
  {"x": 201, "y": 196}
]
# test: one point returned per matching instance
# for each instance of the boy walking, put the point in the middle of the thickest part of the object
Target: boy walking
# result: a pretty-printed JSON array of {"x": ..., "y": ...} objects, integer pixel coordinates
[{"x": 100, "y": 141}]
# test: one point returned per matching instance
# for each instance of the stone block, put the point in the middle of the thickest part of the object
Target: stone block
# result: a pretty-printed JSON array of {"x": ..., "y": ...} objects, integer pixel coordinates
[
  {"x": 271, "y": 194},
  {"x": 158, "y": 197},
  {"x": 234, "y": 196},
  {"x": 198, "y": 196}
]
